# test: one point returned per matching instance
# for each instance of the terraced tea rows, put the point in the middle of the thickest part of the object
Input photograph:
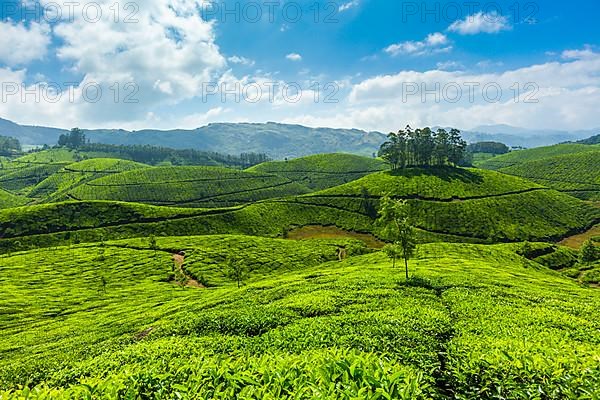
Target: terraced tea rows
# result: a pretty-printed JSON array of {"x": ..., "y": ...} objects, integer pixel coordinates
[
  {"x": 8, "y": 199},
  {"x": 56, "y": 187},
  {"x": 521, "y": 156},
  {"x": 323, "y": 170},
  {"x": 187, "y": 186},
  {"x": 575, "y": 174},
  {"x": 475, "y": 322}
]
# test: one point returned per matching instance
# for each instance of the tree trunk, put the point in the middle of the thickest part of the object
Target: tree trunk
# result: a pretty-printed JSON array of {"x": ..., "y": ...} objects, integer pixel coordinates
[
  {"x": 394, "y": 262},
  {"x": 406, "y": 266}
]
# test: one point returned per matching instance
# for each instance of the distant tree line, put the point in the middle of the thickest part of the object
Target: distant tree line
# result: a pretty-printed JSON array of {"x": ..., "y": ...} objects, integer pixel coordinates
[
  {"x": 423, "y": 147},
  {"x": 9, "y": 146},
  {"x": 488, "y": 147},
  {"x": 153, "y": 155}
]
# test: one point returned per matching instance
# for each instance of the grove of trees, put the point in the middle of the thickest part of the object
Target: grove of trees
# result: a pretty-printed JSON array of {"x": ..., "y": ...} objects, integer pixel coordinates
[
  {"x": 9, "y": 146},
  {"x": 488, "y": 147},
  {"x": 423, "y": 147},
  {"x": 73, "y": 140},
  {"x": 153, "y": 155}
]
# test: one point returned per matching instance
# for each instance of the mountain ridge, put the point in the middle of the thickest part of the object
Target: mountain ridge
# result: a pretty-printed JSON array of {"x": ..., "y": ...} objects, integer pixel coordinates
[{"x": 278, "y": 140}]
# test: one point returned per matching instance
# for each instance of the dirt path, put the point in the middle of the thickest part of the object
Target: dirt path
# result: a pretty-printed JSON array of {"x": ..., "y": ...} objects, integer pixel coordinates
[
  {"x": 576, "y": 241},
  {"x": 179, "y": 261}
]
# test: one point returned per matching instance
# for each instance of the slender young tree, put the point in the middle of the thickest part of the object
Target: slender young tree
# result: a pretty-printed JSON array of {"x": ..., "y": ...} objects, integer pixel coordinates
[
  {"x": 393, "y": 218},
  {"x": 235, "y": 271}
]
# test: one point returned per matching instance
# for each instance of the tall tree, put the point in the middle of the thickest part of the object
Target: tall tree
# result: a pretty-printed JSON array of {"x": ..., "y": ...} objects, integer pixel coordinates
[
  {"x": 396, "y": 228},
  {"x": 457, "y": 147},
  {"x": 442, "y": 146}
]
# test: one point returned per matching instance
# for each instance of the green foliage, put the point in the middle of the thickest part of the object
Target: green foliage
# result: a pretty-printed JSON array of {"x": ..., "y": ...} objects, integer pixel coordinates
[
  {"x": 322, "y": 171},
  {"x": 9, "y": 146},
  {"x": 474, "y": 322},
  {"x": 494, "y": 148},
  {"x": 576, "y": 174},
  {"x": 422, "y": 147},
  {"x": 72, "y": 140},
  {"x": 394, "y": 219},
  {"x": 539, "y": 153},
  {"x": 235, "y": 270},
  {"x": 187, "y": 187},
  {"x": 470, "y": 203},
  {"x": 58, "y": 185},
  {"x": 589, "y": 252},
  {"x": 8, "y": 199},
  {"x": 161, "y": 155}
]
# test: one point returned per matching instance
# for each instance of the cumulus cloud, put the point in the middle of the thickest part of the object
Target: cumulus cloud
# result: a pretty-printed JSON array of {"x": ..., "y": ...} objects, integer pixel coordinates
[
  {"x": 555, "y": 95},
  {"x": 481, "y": 23},
  {"x": 433, "y": 43},
  {"x": 294, "y": 57},
  {"x": 21, "y": 44},
  {"x": 164, "y": 55},
  {"x": 241, "y": 60}
]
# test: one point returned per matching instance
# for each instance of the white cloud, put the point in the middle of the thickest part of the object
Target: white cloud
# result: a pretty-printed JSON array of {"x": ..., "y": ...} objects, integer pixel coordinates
[
  {"x": 19, "y": 44},
  {"x": 481, "y": 23},
  {"x": 566, "y": 97},
  {"x": 198, "y": 120},
  {"x": 241, "y": 60},
  {"x": 347, "y": 6},
  {"x": 294, "y": 57},
  {"x": 166, "y": 57},
  {"x": 433, "y": 43},
  {"x": 450, "y": 66},
  {"x": 582, "y": 54}
]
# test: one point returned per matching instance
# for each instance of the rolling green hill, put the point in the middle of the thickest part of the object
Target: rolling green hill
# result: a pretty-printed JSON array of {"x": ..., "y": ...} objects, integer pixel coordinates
[
  {"x": 467, "y": 202},
  {"x": 57, "y": 185},
  {"x": 8, "y": 199},
  {"x": 324, "y": 170},
  {"x": 457, "y": 205},
  {"x": 474, "y": 322},
  {"x": 21, "y": 177},
  {"x": 576, "y": 174},
  {"x": 187, "y": 186},
  {"x": 517, "y": 157}
]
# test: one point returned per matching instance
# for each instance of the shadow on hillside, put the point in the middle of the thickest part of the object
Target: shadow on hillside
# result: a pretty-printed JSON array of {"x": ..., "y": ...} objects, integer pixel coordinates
[{"x": 445, "y": 173}]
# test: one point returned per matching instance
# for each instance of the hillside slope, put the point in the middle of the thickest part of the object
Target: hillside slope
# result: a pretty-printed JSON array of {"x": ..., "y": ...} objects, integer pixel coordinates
[
  {"x": 8, "y": 199},
  {"x": 323, "y": 170},
  {"x": 67, "y": 179},
  {"x": 467, "y": 202},
  {"x": 538, "y": 153},
  {"x": 187, "y": 187},
  {"x": 446, "y": 205},
  {"x": 576, "y": 174},
  {"x": 475, "y": 322}
]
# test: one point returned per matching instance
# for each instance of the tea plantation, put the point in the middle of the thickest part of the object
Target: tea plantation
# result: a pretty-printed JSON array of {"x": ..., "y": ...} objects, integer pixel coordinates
[
  {"x": 187, "y": 186},
  {"x": 58, "y": 185},
  {"x": 538, "y": 153},
  {"x": 121, "y": 280},
  {"x": 575, "y": 174},
  {"x": 323, "y": 171},
  {"x": 108, "y": 321}
]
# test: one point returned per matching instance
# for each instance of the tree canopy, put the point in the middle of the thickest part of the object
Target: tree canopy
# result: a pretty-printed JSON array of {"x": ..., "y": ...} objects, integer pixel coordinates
[
  {"x": 9, "y": 146},
  {"x": 488, "y": 147},
  {"x": 423, "y": 147}
]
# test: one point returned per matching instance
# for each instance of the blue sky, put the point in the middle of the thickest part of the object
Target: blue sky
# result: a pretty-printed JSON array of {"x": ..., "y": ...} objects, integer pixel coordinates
[{"x": 368, "y": 64}]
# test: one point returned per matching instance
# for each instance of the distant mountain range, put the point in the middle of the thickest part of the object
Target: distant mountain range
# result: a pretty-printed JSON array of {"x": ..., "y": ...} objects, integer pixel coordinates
[
  {"x": 513, "y": 136},
  {"x": 278, "y": 140}
]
